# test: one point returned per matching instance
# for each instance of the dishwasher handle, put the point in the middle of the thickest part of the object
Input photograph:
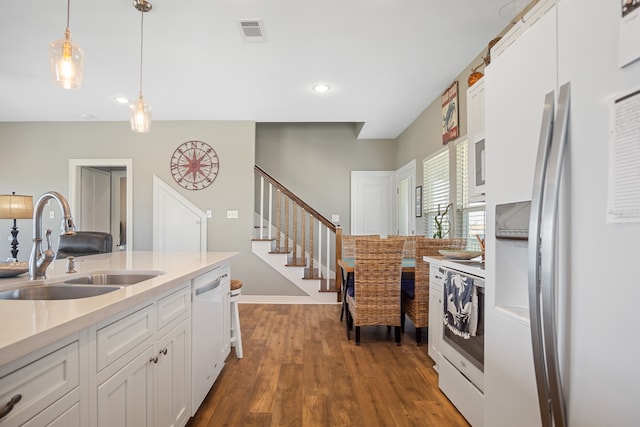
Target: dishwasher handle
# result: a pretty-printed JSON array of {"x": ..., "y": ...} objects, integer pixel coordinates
[{"x": 209, "y": 286}]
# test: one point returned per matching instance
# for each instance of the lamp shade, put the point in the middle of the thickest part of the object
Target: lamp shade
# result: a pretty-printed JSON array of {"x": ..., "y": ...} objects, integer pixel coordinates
[
  {"x": 67, "y": 62},
  {"x": 140, "y": 115},
  {"x": 15, "y": 206}
]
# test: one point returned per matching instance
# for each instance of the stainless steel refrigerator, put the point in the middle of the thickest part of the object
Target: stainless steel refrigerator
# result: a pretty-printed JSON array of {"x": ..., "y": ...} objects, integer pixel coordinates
[{"x": 555, "y": 87}]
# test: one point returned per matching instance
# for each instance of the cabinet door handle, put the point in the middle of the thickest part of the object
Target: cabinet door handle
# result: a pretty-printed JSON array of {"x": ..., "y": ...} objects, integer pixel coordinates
[
  {"x": 164, "y": 351},
  {"x": 154, "y": 359},
  {"x": 9, "y": 406}
]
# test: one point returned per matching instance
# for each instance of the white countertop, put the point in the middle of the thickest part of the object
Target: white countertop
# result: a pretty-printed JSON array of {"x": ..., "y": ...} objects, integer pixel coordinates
[
  {"x": 469, "y": 267},
  {"x": 30, "y": 325}
]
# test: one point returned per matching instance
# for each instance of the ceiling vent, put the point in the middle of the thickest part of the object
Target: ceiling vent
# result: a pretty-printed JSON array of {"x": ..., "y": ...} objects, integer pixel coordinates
[{"x": 252, "y": 30}]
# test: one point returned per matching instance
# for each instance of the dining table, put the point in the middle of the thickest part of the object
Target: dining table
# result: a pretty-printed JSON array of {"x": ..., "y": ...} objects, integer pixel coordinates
[{"x": 347, "y": 266}]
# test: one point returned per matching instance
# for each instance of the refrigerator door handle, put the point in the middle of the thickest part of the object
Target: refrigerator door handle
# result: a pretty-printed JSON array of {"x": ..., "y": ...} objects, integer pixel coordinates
[
  {"x": 548, "y": 255},
  {"x": 535, "y": 218}
]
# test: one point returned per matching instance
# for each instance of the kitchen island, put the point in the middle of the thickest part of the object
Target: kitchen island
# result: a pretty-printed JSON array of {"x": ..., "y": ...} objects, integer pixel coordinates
[{"x": 91, "y": 360}]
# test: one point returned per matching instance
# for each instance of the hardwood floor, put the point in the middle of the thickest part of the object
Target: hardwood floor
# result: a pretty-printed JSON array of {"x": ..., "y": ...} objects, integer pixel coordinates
[{"x": 299, "y": 370}]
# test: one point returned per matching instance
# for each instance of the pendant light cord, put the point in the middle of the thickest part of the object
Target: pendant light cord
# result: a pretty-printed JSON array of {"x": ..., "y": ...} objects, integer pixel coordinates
[
  {"x": 141, "y": 44},
  {"x": 68, "y": 11}
]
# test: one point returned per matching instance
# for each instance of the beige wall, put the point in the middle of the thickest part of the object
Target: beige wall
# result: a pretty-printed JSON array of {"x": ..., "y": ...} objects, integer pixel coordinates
[
  {"x": 315, "y": 160},
  {"x": 35, "y": 159},
  {"x": 424, "y": 136}
]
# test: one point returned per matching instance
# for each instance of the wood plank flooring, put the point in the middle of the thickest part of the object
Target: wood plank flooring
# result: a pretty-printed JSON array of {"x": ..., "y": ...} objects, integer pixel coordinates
[{"x": 299, "y": 370}]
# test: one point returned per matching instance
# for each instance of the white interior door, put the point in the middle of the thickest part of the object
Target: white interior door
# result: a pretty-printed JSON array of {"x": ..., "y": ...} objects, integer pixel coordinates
[
  {"x": 125, "y": 195},
  {"x": 405, "y": 201},
  {"x": 95, "y": 200},
  {"x": 178, "y": 224},
  {"x": 373, "y": 202},
  {"x": 119, "y": 207}
]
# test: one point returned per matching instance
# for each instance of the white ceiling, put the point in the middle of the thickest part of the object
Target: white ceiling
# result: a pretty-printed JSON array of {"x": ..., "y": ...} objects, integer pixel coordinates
[{"x": 385, "y": 60}]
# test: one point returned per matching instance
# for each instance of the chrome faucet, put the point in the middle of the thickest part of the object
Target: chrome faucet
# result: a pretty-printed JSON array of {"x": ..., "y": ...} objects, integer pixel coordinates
[{"x": 39, "y": 259}]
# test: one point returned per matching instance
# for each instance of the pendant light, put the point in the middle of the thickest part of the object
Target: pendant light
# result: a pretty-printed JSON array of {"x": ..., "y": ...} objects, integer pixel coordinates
[
  {"x": 140, "y": 114},
  {"x": 67, "y": 60}
]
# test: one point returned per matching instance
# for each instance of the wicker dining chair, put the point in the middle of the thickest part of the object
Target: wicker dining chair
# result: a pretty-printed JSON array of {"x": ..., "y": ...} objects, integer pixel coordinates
[
  {"x": 376, "y": 293},
  {"x": 349, "y": 251},
  {"x": 416, "y": 306}
]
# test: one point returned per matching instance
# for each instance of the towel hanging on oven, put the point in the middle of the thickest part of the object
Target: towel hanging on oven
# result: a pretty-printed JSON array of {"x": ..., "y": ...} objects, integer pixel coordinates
[{"x": 460, "y": 304}]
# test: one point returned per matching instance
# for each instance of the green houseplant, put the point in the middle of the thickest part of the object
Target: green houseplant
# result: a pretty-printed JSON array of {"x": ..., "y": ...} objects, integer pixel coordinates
[{"x": 441, "y": 217}]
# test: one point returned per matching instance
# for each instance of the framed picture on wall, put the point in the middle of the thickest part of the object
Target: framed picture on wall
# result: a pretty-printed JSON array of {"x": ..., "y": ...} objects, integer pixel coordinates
[
  {"x": 450, "y": 128},
  {"x": 419, "y": 201}
]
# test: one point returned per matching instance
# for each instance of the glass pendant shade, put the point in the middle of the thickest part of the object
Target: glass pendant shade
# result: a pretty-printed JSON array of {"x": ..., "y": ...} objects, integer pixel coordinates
[
  {"x": 140, "y": 116},
  {"x": 67, "y": 62}
]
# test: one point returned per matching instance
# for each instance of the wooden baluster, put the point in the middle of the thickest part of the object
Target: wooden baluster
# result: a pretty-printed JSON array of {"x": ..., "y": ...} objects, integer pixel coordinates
[
  {"x": 286, "y": 218},
  {"x": 311, "y": 266},
  {"x": 278, "y": 227},
  {"x": 294, "y": 241},
  {"x": 303, "y": 239}
]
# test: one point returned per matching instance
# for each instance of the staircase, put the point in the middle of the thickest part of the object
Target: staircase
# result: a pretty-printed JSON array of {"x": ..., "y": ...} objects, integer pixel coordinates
[{"x": 296, "y": 240}]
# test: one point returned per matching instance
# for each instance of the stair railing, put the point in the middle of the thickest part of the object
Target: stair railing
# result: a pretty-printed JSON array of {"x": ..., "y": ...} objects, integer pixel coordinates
[{"x": 283, "y": 217}]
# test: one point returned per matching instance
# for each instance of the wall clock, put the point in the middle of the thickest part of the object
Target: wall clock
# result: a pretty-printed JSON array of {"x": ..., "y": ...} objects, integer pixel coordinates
[{"x": 194, "y": 165}]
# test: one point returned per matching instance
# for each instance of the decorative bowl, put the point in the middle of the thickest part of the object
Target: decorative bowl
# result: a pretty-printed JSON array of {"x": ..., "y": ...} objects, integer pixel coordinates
[
  {"x": 452, "y": 254},
  {"x": 12, "y": 269}
]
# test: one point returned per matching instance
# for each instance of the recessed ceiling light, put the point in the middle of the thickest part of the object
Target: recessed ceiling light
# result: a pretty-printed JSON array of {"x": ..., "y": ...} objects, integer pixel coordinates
[
  {"x": 122, "y": 100},
  {"x": 321, "y": 87}
]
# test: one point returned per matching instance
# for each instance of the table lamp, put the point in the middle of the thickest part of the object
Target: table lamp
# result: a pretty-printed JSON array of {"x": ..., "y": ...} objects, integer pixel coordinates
[{"x": 14, "y": 206}]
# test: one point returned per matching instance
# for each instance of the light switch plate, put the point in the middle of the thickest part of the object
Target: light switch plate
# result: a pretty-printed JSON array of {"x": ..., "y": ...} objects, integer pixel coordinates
[
  {"x": 335, "y": 218},
  {"x": 51, "y": 214},
  {"x": 209, "y": 213},
  {"x": 232, "y": 214}
]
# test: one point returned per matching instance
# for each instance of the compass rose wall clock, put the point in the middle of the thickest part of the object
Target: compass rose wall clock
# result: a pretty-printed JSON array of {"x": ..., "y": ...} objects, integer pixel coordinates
[{"x": 194, "y": 165}]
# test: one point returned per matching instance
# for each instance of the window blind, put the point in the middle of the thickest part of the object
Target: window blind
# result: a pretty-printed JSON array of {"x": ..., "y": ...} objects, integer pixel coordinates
[
  {"x": 436, "y": 189},
  {"x": 469, "y": 216}
]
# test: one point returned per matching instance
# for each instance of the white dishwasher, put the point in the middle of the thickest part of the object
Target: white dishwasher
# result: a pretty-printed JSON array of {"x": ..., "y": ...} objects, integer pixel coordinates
[{"x": 210, "y": 330}]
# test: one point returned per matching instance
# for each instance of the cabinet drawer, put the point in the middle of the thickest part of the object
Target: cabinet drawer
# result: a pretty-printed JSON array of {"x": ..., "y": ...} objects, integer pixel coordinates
[
  {"x": 40, "y": 383},
  {"x": 64, "y": 413},
  {"x": 174, "y": 306},
  {"x": 117, "y": 338}
]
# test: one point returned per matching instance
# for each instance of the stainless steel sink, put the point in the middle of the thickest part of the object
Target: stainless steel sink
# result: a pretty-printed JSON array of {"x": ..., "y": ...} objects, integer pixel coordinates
[
  {"x": 56, "y": 292},
  {"x": 112, "y": 278}
]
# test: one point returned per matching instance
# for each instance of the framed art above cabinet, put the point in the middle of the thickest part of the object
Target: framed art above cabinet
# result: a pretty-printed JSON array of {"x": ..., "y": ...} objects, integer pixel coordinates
[{"x": 476, "y": 141}]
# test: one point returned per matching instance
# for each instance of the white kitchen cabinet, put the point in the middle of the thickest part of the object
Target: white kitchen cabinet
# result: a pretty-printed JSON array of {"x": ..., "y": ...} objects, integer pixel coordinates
[
  {"x": 47, "y": 383},
  {"x": 476, "y": 141},
  {"x": 173, "y": 369},
  {"x": 144, "y": 364},
  {"x": 126, "y": 398},
  {"x": 64, "y": 412},
  {"x": 173, "y": 377},
  {"x": 435, "y": 312}
]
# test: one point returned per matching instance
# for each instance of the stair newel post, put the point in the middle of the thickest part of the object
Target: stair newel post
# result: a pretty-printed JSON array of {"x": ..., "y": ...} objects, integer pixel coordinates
[
  {"x": 320, "y": 253},
  {"x": 328, "y": 257},
  {"x": 338, "y": 257}
]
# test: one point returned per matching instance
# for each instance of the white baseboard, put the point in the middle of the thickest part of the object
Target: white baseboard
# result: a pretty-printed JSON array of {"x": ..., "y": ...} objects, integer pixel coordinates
[{"x": 280, "y": 299}]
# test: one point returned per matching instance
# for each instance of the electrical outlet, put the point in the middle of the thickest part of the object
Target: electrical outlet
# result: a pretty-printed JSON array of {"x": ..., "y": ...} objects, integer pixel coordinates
[
  {"x": 232, "y": 214},
  {"x": 335, "y": 218}
]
